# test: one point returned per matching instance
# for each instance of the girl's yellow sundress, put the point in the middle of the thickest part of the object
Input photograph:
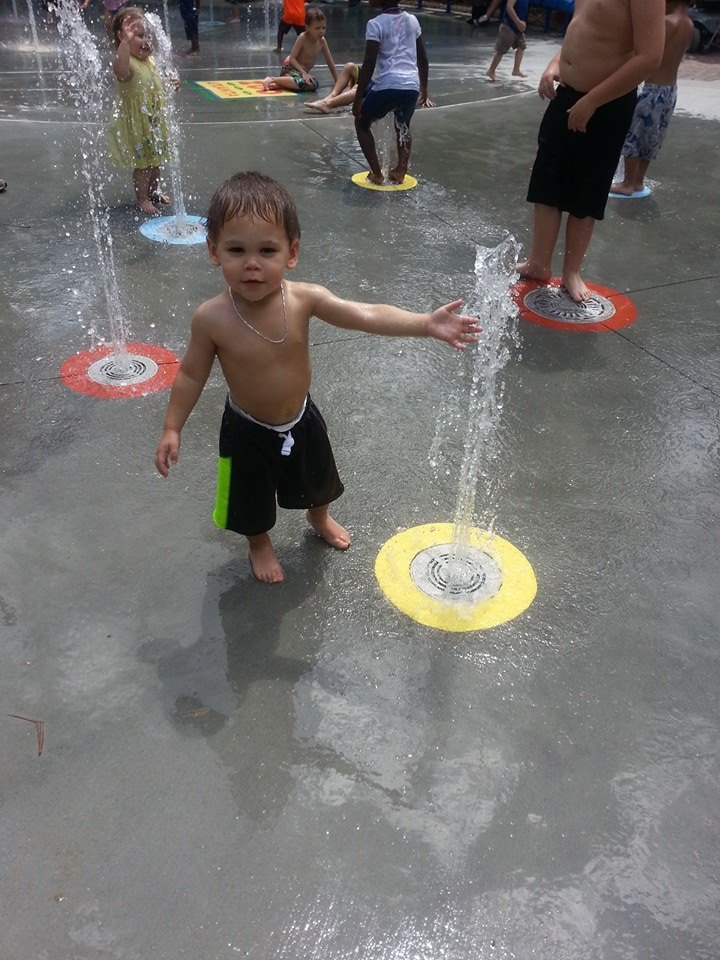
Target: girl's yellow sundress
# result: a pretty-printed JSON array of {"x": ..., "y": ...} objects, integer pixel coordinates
[{"x": 138, "y": 128}]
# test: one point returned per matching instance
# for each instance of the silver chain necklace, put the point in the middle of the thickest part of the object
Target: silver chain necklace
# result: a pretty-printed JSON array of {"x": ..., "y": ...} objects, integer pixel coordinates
[{"x": 254, "y": 329}]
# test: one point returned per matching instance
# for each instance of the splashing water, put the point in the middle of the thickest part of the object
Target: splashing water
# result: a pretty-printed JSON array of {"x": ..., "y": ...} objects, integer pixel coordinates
[
  {"x": 36, "y": 48},
  {"x": 83, "y": 76},
  {"x": 474, "y": 402},
  {"x": 164, "y": 57}
]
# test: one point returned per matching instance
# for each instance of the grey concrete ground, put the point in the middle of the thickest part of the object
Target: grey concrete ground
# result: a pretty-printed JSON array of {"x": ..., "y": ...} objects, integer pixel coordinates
[{"x": 303, "y": 772}]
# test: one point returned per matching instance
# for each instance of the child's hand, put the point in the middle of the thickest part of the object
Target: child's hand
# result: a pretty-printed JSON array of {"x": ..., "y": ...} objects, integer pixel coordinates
[
  {"x": 579, "y": 115},
  {"x": 167, "y": 452},
  {"x": 425, "y": 101},
  {"x": 546, "y": 88},
  {"x": 522, "y": 26},
  {"x": 458, "y": 331}
]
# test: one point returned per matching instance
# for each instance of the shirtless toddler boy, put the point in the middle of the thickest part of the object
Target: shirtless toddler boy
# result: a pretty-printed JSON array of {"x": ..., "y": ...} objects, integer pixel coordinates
[
  {"x": 273, "y": 439},
  {"x": 656, "y": 103},
  {"x": 295, "y": 73},
  {"x": 609, "y": 48}
]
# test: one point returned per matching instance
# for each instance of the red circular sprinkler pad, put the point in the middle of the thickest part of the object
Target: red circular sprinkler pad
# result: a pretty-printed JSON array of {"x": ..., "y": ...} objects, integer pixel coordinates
[
  {"x": 155, "y": 367},
  {"x": 625, "y": 311}
]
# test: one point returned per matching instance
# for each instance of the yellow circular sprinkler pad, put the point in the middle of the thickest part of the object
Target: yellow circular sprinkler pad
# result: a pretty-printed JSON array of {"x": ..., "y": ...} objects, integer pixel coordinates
[
  {"x": 490, "y": 582},
  {"x": 361, "y": 179}
]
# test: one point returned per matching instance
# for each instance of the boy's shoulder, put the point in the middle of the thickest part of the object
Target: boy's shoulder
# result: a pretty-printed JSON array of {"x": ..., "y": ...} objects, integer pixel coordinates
[{"x": 211, "y": 312}]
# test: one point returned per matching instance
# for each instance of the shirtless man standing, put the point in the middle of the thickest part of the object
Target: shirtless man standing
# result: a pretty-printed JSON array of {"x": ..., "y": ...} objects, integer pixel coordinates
[{"x": 609, "y": 48}]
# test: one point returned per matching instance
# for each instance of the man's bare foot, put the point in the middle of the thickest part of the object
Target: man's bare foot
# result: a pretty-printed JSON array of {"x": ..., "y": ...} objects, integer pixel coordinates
[
  {"x": 519, "y": 73},
  {"x": 318, "y": 105},
  {"x": 264, "y": 563},
  {"x": 397, "y": 176},
  {"x": 376, "y": 178},
  {"x": 148, "y": 208},
  {"x": 269, "y": 84},
  {"x": 576, "y": 288},
  {"x": 532, "y": 271},
  {"x": 327, "y": 528},
  {"x": 626, "y": 189},
  {"x": 491, "y": 76}
]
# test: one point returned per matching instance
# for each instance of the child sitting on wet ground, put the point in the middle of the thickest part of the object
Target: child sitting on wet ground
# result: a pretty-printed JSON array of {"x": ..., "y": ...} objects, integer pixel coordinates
[
  {"x": 273, "y": 440},
  {"x": 138, "y": 132},
  {"x": 656, "y": 103},
  {"x": 295, "y": 73},
  {"x": 342, "y": 93}
]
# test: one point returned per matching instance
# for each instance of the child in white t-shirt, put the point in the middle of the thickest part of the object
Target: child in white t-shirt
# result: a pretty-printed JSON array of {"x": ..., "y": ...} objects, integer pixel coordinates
[{"x": 393, "y": 75}]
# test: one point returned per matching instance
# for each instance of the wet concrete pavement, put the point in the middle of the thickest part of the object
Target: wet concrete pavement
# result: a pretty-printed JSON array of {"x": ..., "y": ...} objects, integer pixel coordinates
[{"x": 233, "y": 770}]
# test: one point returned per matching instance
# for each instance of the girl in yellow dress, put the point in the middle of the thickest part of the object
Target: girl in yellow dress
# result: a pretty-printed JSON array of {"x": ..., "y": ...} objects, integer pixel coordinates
[{"x": 138, "y": 128}]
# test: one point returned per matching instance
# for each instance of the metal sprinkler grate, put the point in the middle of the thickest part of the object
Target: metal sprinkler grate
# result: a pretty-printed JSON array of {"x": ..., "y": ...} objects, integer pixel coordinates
[
  {"x": 116, "y": 370},
  {"x": 554, "y": 303},
  {"x": 473, "y": 575}
]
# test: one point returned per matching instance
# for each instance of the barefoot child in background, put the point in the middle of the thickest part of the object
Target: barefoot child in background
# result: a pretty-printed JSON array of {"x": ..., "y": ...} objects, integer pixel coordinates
[
  {"x": 293, "y": 17},
  {"x": 273, "y": 440},
  {"x": 295, "y": 73},
  {"x": 511, "y": 33},
  {"x": 609, "y": 48},
  {"x": 138, "y": 131},
  {"x": 393, "y": 76},
  {"x": 656, "y": 103}
]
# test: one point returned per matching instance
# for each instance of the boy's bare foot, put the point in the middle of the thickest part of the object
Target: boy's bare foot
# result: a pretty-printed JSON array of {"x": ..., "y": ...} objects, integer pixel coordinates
[
  {"x": 624, "y": 188},
  {"x": 376, "y": 178},
  {"x": 531, "y": 271},
  {"x": 264, "y": 563},
  {"x": 491, "y": 76},
  {"x": 162, "y": 198},
  {"x": 269, "y": 84},
  {"x": 518, "y": 73},
  {"x": 397, "y": 176},
  {"x": 277, "y": 49},
  {"x": 327, "y": 528},
  {"x": 318, "y": 105},
  {"x": 576, "y": 288},
  {"x": 148, "y": 208}
]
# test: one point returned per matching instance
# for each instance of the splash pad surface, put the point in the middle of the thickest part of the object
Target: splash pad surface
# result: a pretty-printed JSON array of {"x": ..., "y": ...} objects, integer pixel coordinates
[
  {"x": 108, "y": 375},
  {"x": 492, "y": 582},
  {"x": 549, "y": 305}
]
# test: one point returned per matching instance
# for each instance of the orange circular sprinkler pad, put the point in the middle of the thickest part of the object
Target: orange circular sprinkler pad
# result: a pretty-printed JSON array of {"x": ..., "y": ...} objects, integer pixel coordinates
[
  {"x": 550, "y": 305},
  {"x": 114, "y": 375}
]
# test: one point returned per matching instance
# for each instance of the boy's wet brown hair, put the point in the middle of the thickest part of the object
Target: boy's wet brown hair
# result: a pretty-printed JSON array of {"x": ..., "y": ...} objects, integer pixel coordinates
[
  {"x": 252, "y": 194},
  {"x": 123, "y": 15},
  {"x": 312, "y": 14}
]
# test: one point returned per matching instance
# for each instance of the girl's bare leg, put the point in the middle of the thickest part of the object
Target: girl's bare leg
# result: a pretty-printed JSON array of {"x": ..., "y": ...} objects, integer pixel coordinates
[
  {"x": 490, "y": 72},
  {"x": 141, "y": 182},
  {"x": 155, "y": 195},
  {"x": 263, "y": 559},
  {"x": 403, "y": 139},
  {"x": 578, "y": 232},
  {"x": 331, "y": 103},
  {"x": 330, "y": 530},
  {"x": 367, "y": 145},
  {"x": 546, "y": 226}
]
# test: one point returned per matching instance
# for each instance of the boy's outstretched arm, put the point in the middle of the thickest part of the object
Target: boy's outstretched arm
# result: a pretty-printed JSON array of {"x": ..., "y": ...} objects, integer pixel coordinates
[
  {"x": 189, "y": 382},
  {"x": 381, "y": 318}
]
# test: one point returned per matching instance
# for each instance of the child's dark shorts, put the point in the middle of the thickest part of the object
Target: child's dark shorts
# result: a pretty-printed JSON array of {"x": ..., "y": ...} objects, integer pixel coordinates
[
  {"x": 252, "y": 470},
  {"x": 303, "y": 85},
  {"x": 378, "y": 104},
  {"x": 574, "y": 171}
]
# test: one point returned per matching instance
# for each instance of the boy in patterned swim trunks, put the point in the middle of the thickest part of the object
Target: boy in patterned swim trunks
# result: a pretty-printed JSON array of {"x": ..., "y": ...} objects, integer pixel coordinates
[
  {"x": 656, "y": 102},
  {"x": 273, "y": 441},
  {"x": 609, "y": 48},
  {"x": 295, "y": 73}
]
